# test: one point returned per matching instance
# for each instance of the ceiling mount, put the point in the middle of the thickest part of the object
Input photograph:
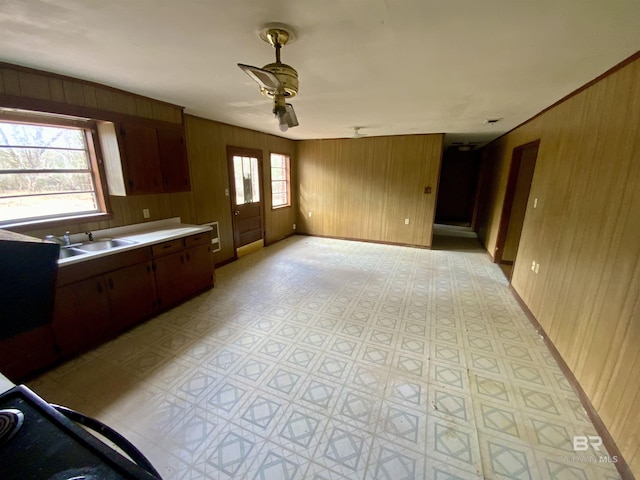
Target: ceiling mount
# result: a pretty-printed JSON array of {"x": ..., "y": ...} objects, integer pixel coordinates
[
  {"x": 357, "y": 133},
  {"x": 274, "y": 32}
]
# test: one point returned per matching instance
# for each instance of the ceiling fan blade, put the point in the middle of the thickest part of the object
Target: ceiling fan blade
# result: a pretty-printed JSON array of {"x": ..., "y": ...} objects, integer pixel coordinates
[
  {"x": 290, "y": 116},
  {"x": 264, "y": 78}
]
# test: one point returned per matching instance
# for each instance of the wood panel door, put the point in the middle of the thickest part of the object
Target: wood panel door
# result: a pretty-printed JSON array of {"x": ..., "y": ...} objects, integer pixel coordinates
[{"x": 245, "y": 172}]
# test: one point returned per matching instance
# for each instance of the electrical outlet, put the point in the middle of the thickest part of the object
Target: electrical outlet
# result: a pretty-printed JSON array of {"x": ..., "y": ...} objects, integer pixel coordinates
[
  {"x": 145, "y": 213},
  {"x": 294, "y": 226},
  {"x": 535, "y": 203},
  {"x": 226, "y": 192},
  {"x": 537, "y": 268},
  {"x": 533, "y": 266},
  {"x": 406, "y": 221},
  {"x": 309, "y": 214}
]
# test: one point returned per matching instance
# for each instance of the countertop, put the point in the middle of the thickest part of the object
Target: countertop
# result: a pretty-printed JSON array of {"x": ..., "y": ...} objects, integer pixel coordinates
[
  {"x": 18, "y": 237},
  {"x": 143, "y": 234},
  {"x": 5, "y": 384}
]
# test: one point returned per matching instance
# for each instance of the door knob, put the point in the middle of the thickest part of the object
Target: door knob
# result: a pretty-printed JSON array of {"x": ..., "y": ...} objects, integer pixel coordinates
[{"x": 236, "y": 213}]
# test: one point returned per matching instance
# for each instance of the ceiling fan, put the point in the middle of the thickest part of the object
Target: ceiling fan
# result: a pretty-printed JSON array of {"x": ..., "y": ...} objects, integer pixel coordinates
[{"x": 277, "y": 80}]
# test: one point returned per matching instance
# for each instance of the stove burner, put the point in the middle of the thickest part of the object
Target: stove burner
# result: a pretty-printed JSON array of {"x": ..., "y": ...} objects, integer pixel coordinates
[{"x": 11, "y": 420}]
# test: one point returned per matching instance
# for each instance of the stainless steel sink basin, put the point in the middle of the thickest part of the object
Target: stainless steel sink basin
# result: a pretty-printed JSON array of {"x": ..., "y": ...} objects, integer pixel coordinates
[
  {"x": 70, "y": 252},
  {"x": 99, "y": 245}
]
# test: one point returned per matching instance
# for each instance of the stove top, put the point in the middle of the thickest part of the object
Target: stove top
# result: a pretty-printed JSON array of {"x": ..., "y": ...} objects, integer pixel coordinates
[
  {"x": 10, "y": 422},
  {"x": 38, "y": 442}
]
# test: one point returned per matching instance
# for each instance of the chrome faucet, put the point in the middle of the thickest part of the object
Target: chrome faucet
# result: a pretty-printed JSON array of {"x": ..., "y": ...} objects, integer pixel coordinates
[
  {"x": 65, "y": 241},
  {"x": 90, "y": 235}
]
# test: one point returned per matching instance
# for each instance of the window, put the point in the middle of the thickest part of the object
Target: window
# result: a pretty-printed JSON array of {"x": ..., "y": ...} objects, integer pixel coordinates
[
  {"x": 47, "y": 170},
  {"x": 280, "y": 184}
]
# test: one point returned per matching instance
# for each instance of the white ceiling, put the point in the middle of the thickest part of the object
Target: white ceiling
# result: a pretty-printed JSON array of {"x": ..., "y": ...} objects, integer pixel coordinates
[{"x": 388, "y": 66}]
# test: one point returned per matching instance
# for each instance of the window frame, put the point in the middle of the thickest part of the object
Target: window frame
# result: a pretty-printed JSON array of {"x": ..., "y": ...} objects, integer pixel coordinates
[
  {"x": 96, "y": 170},
  {"x": 287, "y": 181}
]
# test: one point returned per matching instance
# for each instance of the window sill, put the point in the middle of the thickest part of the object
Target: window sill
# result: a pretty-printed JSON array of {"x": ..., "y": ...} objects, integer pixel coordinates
[
  {"x": 280, "y": 207},
  {"x": 56, "y": 222}
]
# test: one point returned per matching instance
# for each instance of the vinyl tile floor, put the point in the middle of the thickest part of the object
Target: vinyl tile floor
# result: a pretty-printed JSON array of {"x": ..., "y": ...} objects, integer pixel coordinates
[{"x": 327, "y": 359}]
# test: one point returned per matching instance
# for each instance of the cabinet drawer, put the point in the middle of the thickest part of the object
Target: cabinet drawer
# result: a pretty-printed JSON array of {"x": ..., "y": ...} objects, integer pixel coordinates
[
  {"x": 198, "y": 239},
  {"x": 97, "y": 266},
  {"x": 167, "y": 247}
]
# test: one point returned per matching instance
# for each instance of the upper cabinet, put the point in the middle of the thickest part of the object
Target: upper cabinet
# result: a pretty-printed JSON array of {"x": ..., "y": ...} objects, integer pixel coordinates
[
  {"x": 173, "y": 158},
  {"x": 140, "y": 157},
  {"x": 143, "y": 158}
]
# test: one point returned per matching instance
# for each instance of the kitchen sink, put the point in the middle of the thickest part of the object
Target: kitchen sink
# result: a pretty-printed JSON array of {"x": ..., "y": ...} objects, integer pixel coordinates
[
  {"x": 99, "y": 245},
  {"x": 70, "y": 252}
]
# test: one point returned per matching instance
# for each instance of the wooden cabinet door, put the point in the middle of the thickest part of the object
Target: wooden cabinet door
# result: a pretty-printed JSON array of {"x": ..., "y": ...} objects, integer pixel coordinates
[
  {"x": 27, "y": 352},
  {"x": 141, "y": 158},
  {"x": 82, "y": 317},
  {"x": 132, "y": 295},
  {"x": 173, "y": 159},
  {"x": 170, "y": 279},
  {"x": 199, "y": 268}
]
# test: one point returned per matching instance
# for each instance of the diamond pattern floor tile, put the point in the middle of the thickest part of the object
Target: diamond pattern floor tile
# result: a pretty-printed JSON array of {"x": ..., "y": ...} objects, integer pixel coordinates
[{"x": 326, "y": 359}]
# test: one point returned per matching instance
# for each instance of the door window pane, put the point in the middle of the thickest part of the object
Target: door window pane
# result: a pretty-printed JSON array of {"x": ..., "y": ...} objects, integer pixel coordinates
[{"x": 247, "y": 180}]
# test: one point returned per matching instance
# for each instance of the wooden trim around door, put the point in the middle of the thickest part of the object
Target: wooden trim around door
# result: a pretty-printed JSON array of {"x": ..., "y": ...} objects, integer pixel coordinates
[
  {"x": 509, "y": 194},
  {"x": 246, "y": 152}
]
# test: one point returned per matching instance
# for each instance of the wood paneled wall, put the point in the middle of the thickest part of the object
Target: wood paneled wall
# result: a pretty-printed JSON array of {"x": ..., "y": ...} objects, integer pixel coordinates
[
  {"x": 33, "y": 89},
  {"x": 365, "y": 188},
  {"x": 585, "y": 234},
  {"x": 207, "y": 144},
  {"x": 22, "y": 87}
]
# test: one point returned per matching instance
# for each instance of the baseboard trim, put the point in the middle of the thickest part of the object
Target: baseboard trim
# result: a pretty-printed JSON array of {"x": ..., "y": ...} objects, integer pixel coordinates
[
  {"x": 607, "y": 439},
  {"x": 379, "y": 242}
]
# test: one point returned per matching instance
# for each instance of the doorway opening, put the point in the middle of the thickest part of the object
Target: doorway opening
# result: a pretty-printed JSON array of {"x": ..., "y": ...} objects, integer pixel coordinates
[
  {"x": 516, "y": 200},
  {"x": 245, "y": 180}
]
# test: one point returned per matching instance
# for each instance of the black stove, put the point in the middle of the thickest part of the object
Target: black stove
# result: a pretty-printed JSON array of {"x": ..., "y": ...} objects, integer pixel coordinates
[{"x": 43, "y": 441}]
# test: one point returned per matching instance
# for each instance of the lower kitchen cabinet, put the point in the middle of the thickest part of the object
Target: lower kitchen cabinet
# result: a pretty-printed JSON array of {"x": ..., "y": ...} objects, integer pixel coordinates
[
  {"x": 185, "y": 272},
  {"x": 200, "y": 271},
  {"x": 96, "y": 300},
  {"x": 82, "y": 316},
  {"x": 27, "y": 352},
  {"x": 132, "y": 295},
  {"x": 169, "y": 273}
]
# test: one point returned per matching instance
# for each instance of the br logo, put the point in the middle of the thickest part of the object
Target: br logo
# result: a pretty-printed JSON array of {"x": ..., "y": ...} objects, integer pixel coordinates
[{"x": 581, "y": 443}]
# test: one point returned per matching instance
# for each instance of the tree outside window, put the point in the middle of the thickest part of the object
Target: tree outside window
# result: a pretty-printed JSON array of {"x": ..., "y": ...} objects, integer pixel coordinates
[{"x": 46, "y": 171}]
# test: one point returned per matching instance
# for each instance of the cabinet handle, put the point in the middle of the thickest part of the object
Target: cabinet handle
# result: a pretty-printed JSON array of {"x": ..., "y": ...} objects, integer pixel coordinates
[
  {"x": 181, "y": 258},
  {"x": 188, "y": 257},
  {"x": 99, "y": 287},
  {"x": 166, "y": 246}
]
